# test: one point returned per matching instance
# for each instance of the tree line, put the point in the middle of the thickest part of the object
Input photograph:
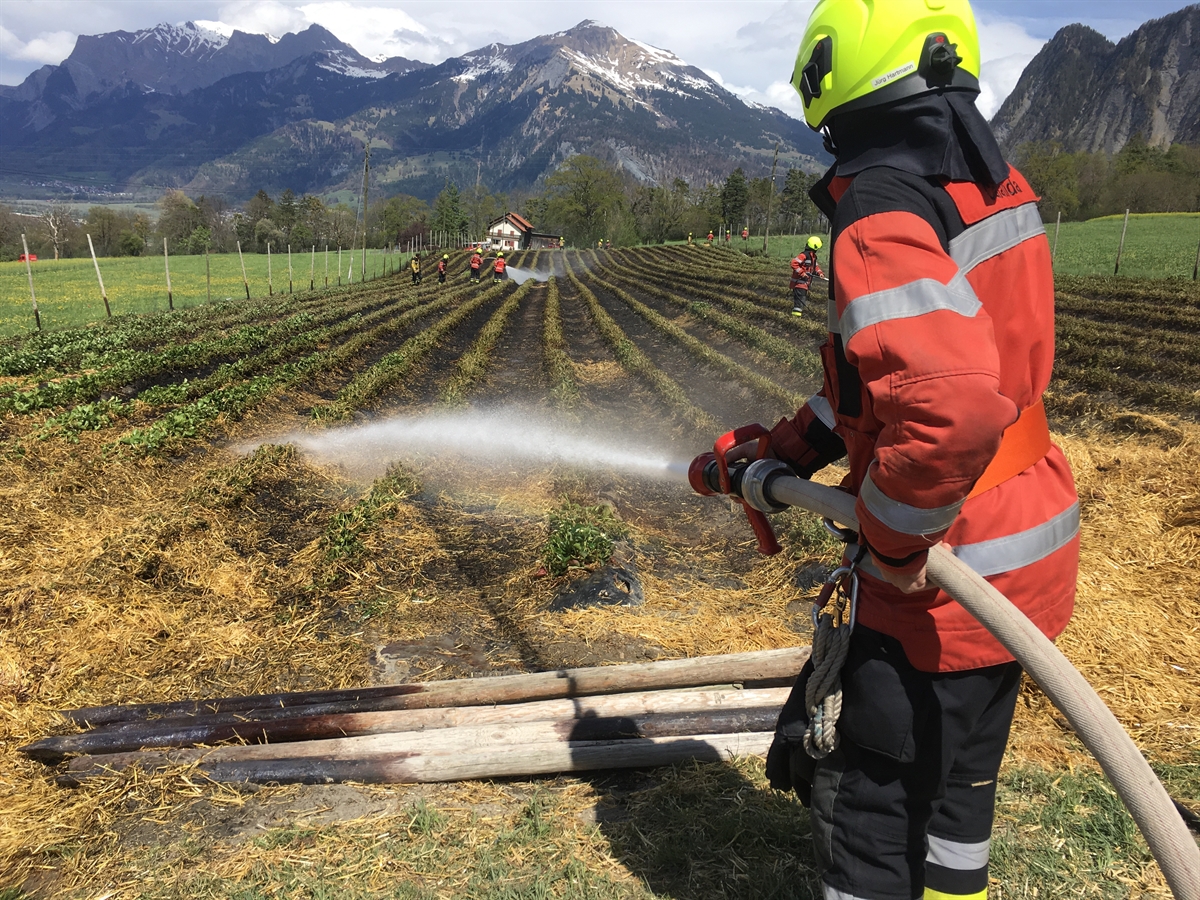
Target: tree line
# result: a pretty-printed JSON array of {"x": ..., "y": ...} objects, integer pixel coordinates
[{"x": 1140, "y": 178}]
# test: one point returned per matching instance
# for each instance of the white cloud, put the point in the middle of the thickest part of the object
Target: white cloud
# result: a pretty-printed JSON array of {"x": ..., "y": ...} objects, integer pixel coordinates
[
  {"x": 48, "y": 47},
  {"x": 1005, "y": 49}
]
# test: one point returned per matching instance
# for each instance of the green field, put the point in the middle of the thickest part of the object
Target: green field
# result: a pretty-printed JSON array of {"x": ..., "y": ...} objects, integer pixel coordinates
[
  {"x": 68, "y": 294},
  {"x": 1156, "y": 246}
]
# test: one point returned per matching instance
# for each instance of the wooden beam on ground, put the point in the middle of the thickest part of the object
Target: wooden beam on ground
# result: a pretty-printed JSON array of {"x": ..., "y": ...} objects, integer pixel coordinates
[
  {"x": 491, "y": 736},
  {"x": 735, "y": 668},
  {"x": 163, "y": 734},
  {"x": 473, "y": 763}
]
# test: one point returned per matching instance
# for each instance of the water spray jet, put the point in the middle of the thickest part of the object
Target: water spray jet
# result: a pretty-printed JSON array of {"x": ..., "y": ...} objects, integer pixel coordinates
[{"x": 506, "y": 436}]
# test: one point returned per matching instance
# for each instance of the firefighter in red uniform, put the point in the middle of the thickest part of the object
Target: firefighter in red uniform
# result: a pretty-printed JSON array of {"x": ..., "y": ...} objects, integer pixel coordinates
[
  {"x": 804, "y": 267},
  {"x": 475, "y": 264},
  {"x": 498, "y": 268},
  {"x": 941, "y": 344},
  {"x": 745, "y": 234},
  {"x": 710, "y": 238},
  {"x": 442, "y": 268}
]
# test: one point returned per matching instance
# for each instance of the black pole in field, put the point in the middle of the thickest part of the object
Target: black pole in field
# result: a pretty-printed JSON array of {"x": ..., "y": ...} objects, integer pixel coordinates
[
  {"x": 37, "y": 316},
  {"x": 312, "y": 270},
  {"x": 326, "y": 265},
  {"x": 1121, "y": 249},
  {"x": 167, "y": 269},
  {"x": 1196, "y": 268},
  {"x": 245, "y": 281},
  {"x": 207, "y": 276},
  {"x": 289, "y": 268},
  {"x": 270, "y": 283}
]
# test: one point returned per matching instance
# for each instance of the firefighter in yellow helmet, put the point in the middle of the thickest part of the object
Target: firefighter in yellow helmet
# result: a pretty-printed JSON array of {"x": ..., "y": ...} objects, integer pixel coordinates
[
  {"x": 941, "y": 344},
  {"x": 804, "y": 267}
]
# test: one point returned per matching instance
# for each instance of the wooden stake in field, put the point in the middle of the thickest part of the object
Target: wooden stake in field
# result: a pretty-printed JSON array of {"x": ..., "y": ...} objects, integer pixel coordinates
[
  {"x": 289, "y": 246},
  {"x": 167, "y": 268},
  {"x": 312, "y": 270},
  {"x": 339, "y": 265},
  {"x": 1054, "y": 252},
  {"x": 326, "y": 265},
  {"x": 1196, "y": 268},
  {"x": 770, "y": 197},
  {"x": 1121, "y": 248},
  {"x": 245, "y": 282},
  {"x": 37, "y": 316},
  {"x": 350, "y": 271},
  {"x": 103, "y": 293},
  {"x": 207, "y": 276},
  {"x": 270, "y": 283}
]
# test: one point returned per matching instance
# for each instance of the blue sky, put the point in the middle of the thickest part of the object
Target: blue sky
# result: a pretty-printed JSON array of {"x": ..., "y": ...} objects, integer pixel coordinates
[{"x": 748, "y": 45}]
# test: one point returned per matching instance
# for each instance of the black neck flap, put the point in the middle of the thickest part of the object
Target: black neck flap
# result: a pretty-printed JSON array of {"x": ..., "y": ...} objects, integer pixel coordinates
[{"x": 938, "y": 134}]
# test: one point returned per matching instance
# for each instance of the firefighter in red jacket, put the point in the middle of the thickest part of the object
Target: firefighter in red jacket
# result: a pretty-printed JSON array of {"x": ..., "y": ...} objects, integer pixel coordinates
[
  {"x": 441, "y": 267},
  {"x": 498, "y": 268},
  {"x": 745, "y": 234},
  {"x": 941, "y": 344},
  {"x": 475, "y": 264},
  {"x": 804, "y": 267}
]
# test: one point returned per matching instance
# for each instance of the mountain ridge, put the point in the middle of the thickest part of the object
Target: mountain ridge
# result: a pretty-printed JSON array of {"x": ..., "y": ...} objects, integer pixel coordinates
[
  {"x": 1089, "y": 93},
  {"x": 518, "y": 109}
]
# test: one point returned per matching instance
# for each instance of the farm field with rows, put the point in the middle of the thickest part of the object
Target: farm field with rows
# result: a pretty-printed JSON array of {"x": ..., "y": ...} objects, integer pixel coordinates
[
  {"x": 68, "y": 293},
  {"x": 366, "y": 486}
]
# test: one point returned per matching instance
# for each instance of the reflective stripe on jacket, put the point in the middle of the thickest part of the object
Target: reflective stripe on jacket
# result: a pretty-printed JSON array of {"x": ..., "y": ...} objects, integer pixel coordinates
[
  {"x": 500, "y": 264},
  {"x": 476, "y": 261},
  {"x": 941, "y": 324}
]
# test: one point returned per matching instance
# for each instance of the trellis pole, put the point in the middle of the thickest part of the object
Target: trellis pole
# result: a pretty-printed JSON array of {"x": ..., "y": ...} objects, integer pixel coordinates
[
  {"x": 270, "y": 283},
  {"x": 103, "y": 293},
  {"x": 37, "y": 316},
  {"x": 167, "y": 268},
  {"x": 245, "y": 281},
  {"x": 1121, "y": 248}
]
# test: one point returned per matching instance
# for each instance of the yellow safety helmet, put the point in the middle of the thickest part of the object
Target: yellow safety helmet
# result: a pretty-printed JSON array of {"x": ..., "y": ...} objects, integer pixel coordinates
[
  {"x": 814, "y": 243},
  {"x": 862, "y": 53},
  {"x": 445, "y": 256},
  {"x": 501, "y": 253}
]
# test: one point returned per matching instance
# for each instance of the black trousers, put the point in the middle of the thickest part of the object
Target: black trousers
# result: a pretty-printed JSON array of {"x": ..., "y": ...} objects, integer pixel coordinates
[
  {"x": 474, "y": 274},
  {"x": 906, "y": 802},
  {"x": 800, "y": 298}
]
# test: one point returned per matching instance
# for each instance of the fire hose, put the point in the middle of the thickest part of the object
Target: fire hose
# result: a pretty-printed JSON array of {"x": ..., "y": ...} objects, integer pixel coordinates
[{"x": 768, "y": 485}]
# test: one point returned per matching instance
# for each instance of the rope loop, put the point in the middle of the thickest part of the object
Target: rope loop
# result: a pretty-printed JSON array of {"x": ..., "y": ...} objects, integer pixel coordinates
[{"x": 831, "y": 643}]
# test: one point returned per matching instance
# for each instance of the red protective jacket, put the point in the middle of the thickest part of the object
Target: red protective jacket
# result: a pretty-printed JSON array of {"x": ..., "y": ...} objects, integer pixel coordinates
[
  {"x": 500, "y": 264},
  {"x": 941, "y": 323},
  {"x": 804, "y": 267},
  {"x": 476, "y": 261},
  {"x": 442, "y": 266}
]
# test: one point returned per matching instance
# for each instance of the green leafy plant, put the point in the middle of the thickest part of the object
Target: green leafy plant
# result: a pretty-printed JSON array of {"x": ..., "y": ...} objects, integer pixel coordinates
[{"x": 581, "y": 536}]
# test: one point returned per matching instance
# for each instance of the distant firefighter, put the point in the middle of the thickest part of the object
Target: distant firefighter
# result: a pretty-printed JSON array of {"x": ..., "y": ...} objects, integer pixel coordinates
[
  {"x": 442, "y": 268},
  {"x": 804, "y": 267},
  {"x": 415, "y": 267}
]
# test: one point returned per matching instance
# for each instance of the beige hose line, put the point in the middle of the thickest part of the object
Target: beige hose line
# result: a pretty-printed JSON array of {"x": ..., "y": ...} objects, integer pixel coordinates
[{"x": 1165, "y": 831}]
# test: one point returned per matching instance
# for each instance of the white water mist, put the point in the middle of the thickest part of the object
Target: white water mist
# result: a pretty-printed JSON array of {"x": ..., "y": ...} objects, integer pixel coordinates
[
  {"x": 506, "y": 437},
  {"x": 522, "y": 275}
]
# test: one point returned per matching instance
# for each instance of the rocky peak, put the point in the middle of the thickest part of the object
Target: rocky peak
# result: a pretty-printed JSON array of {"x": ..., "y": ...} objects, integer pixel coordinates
[{"x": 1088, "y": 93}]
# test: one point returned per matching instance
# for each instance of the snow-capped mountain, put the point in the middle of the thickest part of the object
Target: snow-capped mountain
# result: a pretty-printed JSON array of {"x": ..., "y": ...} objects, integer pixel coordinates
[
  {"x": 508, "y": 113},
  {"x": 176, "y": 59}
]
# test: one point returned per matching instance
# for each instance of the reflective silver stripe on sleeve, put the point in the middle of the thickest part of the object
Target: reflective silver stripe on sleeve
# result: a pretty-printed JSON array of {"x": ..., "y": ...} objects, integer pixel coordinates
[
  {"x": 831, "y": 316},
  {"x": 995, "y": 234},
  {"x": 832, "y": 893},
  {"x": 820, "y": 406},
  {"x": 917, "y": 298},
  {"x": 960, "y": 857},
  {"x": 904, "y": 518},
  {"x": 1015, "y": 551}
]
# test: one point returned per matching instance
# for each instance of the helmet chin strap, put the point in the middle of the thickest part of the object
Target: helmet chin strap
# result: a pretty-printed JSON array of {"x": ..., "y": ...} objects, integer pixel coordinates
[{"x": 827, "y": 136}]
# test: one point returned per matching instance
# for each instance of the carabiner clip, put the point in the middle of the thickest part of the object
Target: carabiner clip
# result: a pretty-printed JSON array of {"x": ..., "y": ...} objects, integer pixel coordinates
[
  {"x": 836, "y": 584},
  {"x": 845, "y": 535}
]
